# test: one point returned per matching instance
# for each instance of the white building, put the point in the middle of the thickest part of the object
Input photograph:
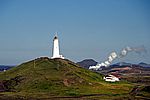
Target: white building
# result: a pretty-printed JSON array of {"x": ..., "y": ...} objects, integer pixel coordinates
[
  {"x": 111, "y": 78},
  {"x": 55, "y": 51}
]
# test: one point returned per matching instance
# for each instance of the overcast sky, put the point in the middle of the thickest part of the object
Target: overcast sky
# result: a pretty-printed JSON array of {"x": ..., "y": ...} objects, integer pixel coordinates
[{"x": 86, "y": 29}]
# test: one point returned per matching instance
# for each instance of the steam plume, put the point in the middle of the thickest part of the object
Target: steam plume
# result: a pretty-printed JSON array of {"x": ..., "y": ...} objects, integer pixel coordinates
[{"x": 114, "y": 56}]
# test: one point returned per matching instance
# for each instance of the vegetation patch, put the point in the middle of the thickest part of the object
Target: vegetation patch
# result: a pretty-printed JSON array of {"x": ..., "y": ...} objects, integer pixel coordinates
[{"x": 58, "y": 78}]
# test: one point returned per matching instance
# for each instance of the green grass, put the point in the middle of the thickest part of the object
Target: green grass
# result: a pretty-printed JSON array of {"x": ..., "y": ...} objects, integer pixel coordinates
[{"x": 57, "y": 77}]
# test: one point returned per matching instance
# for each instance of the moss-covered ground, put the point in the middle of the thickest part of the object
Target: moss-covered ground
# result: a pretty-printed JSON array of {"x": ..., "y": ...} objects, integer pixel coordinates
[{"x": 45, "y": 78}]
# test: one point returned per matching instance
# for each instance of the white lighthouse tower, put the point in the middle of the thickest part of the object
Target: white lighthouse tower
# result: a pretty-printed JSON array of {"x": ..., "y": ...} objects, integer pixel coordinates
[{"x": 55, "y": 52}]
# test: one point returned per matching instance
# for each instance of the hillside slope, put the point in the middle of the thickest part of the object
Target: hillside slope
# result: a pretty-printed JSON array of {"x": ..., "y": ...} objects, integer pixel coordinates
[
  {"x": 87, "y": 63},
  {"x": 56, "y": 77}
]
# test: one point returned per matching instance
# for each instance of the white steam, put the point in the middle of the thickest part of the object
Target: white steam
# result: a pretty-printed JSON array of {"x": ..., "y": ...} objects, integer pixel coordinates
[{"x": 114, "y": 56}]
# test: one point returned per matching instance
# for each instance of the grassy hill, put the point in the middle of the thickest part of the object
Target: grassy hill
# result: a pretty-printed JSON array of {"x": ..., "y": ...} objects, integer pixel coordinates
[{"x": 57, "y": 78}]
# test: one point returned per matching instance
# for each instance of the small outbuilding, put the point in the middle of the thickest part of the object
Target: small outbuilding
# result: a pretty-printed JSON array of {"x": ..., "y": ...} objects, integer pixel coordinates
[{"x": 111, "y": 78}]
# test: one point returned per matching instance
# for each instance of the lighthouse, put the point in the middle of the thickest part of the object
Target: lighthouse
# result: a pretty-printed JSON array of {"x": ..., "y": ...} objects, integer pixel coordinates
[{"x": 55, "y": 50}]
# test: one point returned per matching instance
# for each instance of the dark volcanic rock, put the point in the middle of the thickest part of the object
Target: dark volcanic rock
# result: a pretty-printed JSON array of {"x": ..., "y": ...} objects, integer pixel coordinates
[
  {"x": 87, "y": 63},
  {"x": 8, "y": 85}
]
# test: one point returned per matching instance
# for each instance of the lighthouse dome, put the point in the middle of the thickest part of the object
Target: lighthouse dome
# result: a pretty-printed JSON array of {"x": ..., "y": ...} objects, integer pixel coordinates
[{"x": 55, "y": 37}]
